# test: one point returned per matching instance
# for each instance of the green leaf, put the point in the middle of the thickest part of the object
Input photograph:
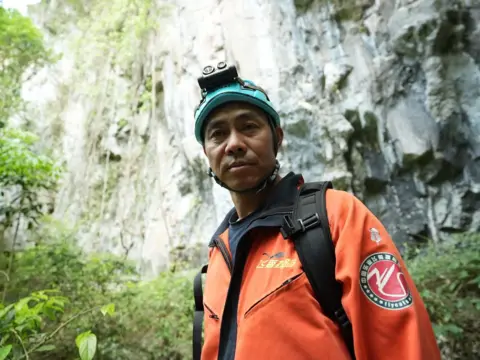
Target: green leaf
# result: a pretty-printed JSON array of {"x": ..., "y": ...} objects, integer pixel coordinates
[
  {"x": 108, "y": 309},
  {"x": 4, "y": 351},
  {"x": 81, "y": 336},
  {"x": 46, "y": 348},
  {"x": 4, "y": 338},
  {"x": 3, "y": 312},
  {"x": 87, "y": 345}
]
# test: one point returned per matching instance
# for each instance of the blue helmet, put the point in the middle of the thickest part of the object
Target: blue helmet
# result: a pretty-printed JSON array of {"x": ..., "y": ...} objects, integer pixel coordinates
[{"x": 239, "y": 90}]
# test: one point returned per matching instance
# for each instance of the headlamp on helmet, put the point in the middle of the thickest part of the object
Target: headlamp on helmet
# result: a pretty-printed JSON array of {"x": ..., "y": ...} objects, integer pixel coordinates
[{"x": 221, "y": 85}]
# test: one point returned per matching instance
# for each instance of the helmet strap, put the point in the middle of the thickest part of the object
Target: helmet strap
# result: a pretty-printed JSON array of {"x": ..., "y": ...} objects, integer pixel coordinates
[
  {"x": 274, "y": 135},
  {"x": 268, "y": 180}
]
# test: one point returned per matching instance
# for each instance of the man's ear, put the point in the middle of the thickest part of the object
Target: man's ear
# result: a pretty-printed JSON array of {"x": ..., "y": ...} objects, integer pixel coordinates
[{"x": 279, "y": 133}]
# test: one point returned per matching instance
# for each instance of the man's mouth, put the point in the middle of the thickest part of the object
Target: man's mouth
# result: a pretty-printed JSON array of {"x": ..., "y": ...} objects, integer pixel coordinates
[{"x": 238, "y": 165}]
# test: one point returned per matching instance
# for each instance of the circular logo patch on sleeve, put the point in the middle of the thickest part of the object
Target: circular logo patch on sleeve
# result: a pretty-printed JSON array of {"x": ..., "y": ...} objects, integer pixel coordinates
[{"x": 383, "y": 282}]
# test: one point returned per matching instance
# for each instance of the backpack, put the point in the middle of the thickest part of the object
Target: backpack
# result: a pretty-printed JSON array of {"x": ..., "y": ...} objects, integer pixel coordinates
[{"x": 309, "y": 230}]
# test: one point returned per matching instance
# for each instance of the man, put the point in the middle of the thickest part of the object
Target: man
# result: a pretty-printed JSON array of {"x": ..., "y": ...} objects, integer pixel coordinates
[{"x": 257, "y": 300}]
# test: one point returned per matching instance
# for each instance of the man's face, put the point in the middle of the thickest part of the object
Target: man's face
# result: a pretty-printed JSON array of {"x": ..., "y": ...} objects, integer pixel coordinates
[{"x": 239, "y": 145}]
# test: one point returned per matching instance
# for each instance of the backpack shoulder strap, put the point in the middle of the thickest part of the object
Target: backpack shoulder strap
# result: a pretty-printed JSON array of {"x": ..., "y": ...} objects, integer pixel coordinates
[
  {"x": 198, "y": 315},
  {"x": 309, "y": 229}
]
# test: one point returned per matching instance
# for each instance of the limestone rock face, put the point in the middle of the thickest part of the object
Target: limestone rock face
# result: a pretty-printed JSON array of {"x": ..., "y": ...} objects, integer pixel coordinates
[{"x": 382, "y": 97}]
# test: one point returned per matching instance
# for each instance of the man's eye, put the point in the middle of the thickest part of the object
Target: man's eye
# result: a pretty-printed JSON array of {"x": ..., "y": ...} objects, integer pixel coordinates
[{"x": 216, "y": 133}]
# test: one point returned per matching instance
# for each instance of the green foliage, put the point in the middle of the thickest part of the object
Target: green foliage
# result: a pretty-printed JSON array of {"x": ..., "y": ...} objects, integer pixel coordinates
[
  {"x": 24, "y": 173},
  {"x": 57, "y": 265},
  {"x": 154, "y": 321},
  {"x": 448, "y": 278},
  {"x": 21, "y": 165},
  {"x": 21, "y": 323},
  {"x": 34, "y": 317},
  {"x": 150, "y": 319},
  {"x": 87, "y": 345},
  {"x": 24, "y": 329},
  {"x": 4, "y": 351},
  {"x": 21, "y": 49},
  {"x": 56, "y": 262}
]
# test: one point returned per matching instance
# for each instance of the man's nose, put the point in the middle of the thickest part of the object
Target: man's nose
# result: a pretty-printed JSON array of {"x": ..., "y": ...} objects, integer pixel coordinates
[{"x": 235, "y": 144}]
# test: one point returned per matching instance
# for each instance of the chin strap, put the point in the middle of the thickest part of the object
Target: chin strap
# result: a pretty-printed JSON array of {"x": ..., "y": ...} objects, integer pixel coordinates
[{"x": 258, "y": 188}]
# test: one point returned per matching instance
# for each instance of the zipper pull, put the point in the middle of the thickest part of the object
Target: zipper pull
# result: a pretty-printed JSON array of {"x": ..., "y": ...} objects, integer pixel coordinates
[
  {"x": 286, "y": 282},
  {"x": 212, "y": 315}
]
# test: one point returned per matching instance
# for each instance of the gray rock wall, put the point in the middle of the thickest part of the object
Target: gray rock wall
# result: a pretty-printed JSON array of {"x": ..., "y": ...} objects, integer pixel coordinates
[{"x": 382, "y": 97}]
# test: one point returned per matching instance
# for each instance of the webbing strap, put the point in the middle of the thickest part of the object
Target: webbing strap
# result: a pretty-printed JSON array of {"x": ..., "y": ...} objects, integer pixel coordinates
[
  {"x": 310, "y": 231},
  {"x": 198, "y": 315}
]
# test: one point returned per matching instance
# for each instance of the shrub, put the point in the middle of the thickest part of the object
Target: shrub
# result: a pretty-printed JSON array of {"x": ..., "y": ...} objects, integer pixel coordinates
[
  {"x": 448, "y": 278},
  {"x": 153, "y": 321},
  {"x": 152, "y": 318},
  {"x": 62, "y": 292}
]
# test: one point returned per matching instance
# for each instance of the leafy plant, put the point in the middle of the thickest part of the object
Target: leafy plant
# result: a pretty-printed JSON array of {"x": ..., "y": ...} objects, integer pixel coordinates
[
  {"x": 34, "y": 318},
  {"x": 23, "y": 326},
  {"x": 24, "y": 174},
  {"x": 448, "y": 278},
  {"x": 88, "y": 280},
  {"x": 21, "y": 165},
  {"x": 21, "y": 323},
  {"x": 21, "y": 49},
  {"x": 152, "y": 318}
]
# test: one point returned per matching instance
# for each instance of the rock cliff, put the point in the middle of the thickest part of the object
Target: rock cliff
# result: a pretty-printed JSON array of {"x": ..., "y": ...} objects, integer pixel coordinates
[{"x": 382, "y": 97}]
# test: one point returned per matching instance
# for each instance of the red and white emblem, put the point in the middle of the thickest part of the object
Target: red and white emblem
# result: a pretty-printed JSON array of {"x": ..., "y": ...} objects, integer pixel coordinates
[{"x": 383, "y": 282}]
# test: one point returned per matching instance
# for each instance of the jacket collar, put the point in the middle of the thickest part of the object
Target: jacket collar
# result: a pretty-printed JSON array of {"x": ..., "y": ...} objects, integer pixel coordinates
[{"x": 282, "y": 196}]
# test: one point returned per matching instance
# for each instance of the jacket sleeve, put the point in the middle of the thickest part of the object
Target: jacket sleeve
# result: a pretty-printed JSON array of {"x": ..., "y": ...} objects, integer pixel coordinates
[{"x": 388, "y": 316}]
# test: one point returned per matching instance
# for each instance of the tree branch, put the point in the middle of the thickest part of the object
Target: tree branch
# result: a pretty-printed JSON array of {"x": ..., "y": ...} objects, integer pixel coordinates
[
  {"x": 6, "y": 275},
  {"x": 10, "y": 262},
  {"x": 21, "y": 343},
  {"x": 49, "y": 337}
]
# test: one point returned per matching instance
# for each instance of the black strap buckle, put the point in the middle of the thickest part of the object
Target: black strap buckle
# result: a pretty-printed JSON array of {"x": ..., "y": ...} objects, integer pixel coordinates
[
  {"x": 342, "y": 318},
  {"x": 290, "y": 227}
]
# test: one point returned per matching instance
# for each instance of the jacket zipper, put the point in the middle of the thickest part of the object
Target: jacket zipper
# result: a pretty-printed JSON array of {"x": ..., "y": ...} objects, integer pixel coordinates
[
  {"x": 212, "y": 314},
  {"x": 224, "y": 251},
  {"x": 239, "y": 265},
  {"x": 285, "y": 283}
]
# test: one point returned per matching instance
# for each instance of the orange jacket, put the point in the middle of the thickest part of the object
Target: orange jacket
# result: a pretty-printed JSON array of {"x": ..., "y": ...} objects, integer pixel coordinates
[{"x": 278, "y": 316}]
